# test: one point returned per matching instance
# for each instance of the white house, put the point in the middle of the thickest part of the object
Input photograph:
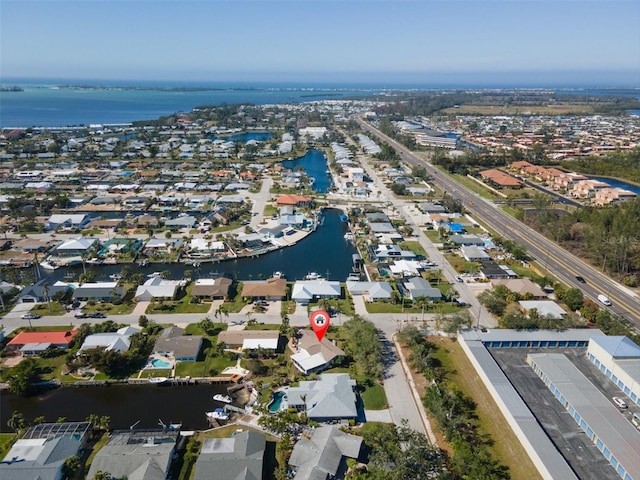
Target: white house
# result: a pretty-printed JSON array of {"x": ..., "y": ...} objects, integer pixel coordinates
[
  {"x": 158, "y": 287},
  {"x": 306, "y": 290},
  {"x": 117, "y": 341}
]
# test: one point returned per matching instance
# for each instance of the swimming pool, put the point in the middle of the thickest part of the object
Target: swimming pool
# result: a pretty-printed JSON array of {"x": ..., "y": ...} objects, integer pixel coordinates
[
  {"x": 157, "y": 363},
  {"x": 276, "y": 403}
]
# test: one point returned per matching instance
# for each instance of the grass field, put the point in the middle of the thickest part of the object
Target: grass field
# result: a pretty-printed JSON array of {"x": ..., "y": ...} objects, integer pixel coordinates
[
  {"x": 374, "y": 397},
  {"x": 6, "y": 440},
  {"x": 556, "y": 109},
  {"x": 462, "y": 375}
]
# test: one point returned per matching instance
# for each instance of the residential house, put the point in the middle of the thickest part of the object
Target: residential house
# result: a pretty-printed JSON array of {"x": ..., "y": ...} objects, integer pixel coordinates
[
  {"x": 67, "y": 220},
  {"x": 417, "y": 287},
  {"x": 500, "y": 179},
  {"x": 522, "y": 286},
  {"x": 382, "y": 253},
  {"x": 240, "y": 457},
  {"x": 474, "y": 254},
  {"x": 172, "y": 342},
  {"x": 467, "y": 240},
  {"x": 251, "y": 339},
  {"x": 269, "y": 289},
  {"x": 324, "y": 453},
  {"x": 136, "y": 454},
  {"x": 75, "y": 247},
  {"x": 371, "y": 291},
  {"x": 158, "y": 287},
  {"x": 117, "y": 341},
  {"x": 312, "y": 356},
  {"x": 186, "y": 221},
  {"x": 492, "y": 270},
  {"x": 332, "y": 397},
  {"x": 34, "y": 343},
  {"x": 42, "y": 451},
  {"x": 294, "y": 200},
  {"x": 161, "y": 246},
  {"x": 212, "y": 288},
  {"x": 105, "y": 291},
  {"x": 304, "y": 291},
  {"x": 42, "y": 291}
]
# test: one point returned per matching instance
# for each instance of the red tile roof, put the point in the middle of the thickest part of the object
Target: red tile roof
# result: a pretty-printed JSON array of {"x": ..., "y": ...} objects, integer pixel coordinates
[{"x": 55, "y": 338}]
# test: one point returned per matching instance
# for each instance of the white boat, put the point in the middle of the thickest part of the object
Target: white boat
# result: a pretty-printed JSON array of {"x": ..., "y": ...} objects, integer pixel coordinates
[
  {"x": 312, "y": 276},
  {"x": 217, "y": 414},
  {"x": 49, "y": 265},
  {"x": 222, "y": 398},
  {"x": 158, "y": 380},
  {"x": 278, "y": 275},
  {"x": 154, "y": 274},
  {"x": 115, "y": 276}
]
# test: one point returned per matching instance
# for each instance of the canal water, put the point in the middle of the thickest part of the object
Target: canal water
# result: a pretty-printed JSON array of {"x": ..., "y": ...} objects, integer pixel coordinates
[
  {"x": 314, "y": 163},
  {"x": 324, "y": 251},
  {"x": 125, "y": 404}
]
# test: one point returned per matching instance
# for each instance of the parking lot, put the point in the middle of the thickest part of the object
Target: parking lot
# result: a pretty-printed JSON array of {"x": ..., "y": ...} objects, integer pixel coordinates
[{"x": 583, "y": 457}]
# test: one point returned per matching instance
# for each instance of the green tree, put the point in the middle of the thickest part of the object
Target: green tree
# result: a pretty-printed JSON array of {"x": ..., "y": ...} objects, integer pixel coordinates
[{"x": 16, "y": 422}]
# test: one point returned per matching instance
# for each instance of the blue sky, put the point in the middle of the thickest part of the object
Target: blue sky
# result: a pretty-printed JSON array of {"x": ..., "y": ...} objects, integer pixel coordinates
[{"x": 543, "y": 42}]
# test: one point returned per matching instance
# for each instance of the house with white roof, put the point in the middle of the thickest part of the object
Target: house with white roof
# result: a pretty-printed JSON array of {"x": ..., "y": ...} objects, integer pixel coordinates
[
  {"x": 544, "y": 308},
  {"x": 74, "y": 247},
  {"x": 371, "y": 291},
  {"x": 117, "y": 341},
  {"x": 305, "y": 291},
  {"x": 158, "y": 287}
]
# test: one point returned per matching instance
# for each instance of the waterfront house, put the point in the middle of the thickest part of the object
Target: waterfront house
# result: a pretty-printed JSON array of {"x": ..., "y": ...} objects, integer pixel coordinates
[
  {"x": 417, "y": 287},
  {"x": 42, "y": 451},
  {"x": 76, "y": 220},
  {"x": 34, "y": 343},
  {"x": 371, "y": 291},
  {"x": 294, "y": 200},
  {"x": 136, "y": 454},
  {"x": 312, "y": 356},
  {"x": 101, "y": 291},
  {"x": 161, "y": 246},
  {"x": 186, "y": 221},
  {"x": 117, "y": 341},
  {"x": 269, "y": 289},
  {"x": 323, "y": 454},
  {"x": 240, "y": 457},
  {"x": 212, "y": 288},
  {"x": 156, "y": 288},
  {"x": 304, "y": 291},
  {"x": 330, "y": 398},
  {"x": 172, "y": 342},
  {"x": 383, "y": 253},
  {"x": 74, "y": 247},
  {"x": 251, "y": 339}
]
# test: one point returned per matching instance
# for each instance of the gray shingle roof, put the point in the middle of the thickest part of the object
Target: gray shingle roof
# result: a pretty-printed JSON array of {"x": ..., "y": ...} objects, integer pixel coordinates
[{"x": 237, "y": 458}]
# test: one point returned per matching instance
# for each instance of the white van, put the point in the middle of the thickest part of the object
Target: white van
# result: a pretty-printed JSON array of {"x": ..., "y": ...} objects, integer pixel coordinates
[
  {"x": 603, "y": 299},
  {"x": 620, "y": 403}
]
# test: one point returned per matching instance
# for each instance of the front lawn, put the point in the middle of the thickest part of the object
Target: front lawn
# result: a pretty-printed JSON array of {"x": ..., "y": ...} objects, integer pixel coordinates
[
  {"x": 6, "y": 440},
  {"x": 49, "y": 309},
  {"x": 374, "y": 397},
  {"x": 413, "y": 246}
]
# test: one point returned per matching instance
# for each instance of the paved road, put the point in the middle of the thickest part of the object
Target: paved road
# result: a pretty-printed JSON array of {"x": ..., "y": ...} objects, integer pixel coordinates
[{"x": 559, "y": 262}]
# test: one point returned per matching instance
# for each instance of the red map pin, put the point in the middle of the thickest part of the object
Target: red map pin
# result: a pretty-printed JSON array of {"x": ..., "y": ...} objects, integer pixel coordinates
[{"x": 319, "y": 321}]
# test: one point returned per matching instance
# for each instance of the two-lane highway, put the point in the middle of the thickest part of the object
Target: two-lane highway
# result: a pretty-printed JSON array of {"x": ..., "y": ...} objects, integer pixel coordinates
[{"x": 557, "y": 261}]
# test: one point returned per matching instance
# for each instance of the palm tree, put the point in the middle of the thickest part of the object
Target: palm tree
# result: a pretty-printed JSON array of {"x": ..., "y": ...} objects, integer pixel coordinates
[
  {"x": 422, "y": 302},
  {"x": 16, "y": 422},
  {"x": 45, "y": 292}
]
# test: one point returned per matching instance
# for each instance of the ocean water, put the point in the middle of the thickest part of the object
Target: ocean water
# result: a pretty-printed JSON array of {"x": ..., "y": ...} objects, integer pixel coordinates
[{"x": 41, "y": 105}]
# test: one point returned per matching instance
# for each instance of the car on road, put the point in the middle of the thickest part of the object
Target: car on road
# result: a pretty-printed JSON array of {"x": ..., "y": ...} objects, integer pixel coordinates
[
  {"x": 96, "y": 315},
  {"x": 580, "y": 279},
  {"x": 31, "y": 316},
  {"x": 80, "y": 315},
  {"x": 458, "y": 278}
]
